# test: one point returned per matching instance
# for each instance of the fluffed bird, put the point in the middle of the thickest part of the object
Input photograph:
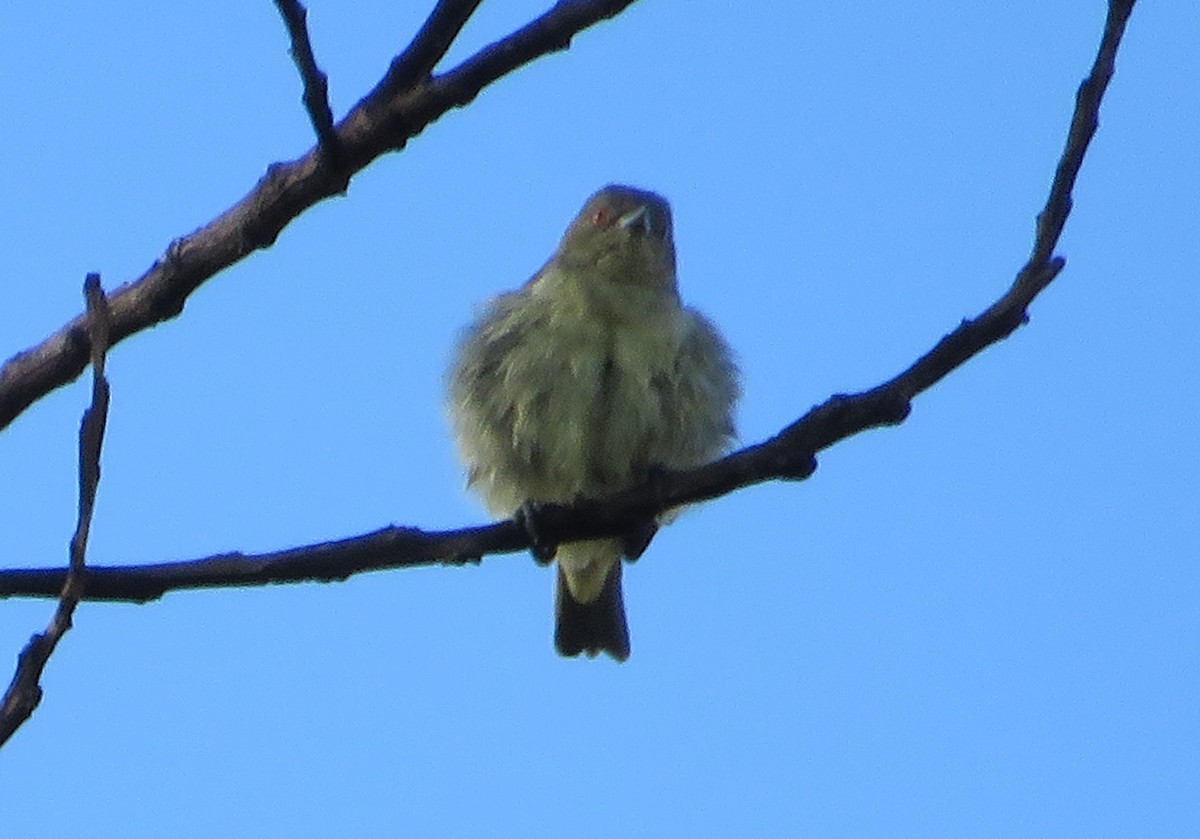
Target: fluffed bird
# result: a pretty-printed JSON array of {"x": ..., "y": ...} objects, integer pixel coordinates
[{"x": 581, "y": 383}]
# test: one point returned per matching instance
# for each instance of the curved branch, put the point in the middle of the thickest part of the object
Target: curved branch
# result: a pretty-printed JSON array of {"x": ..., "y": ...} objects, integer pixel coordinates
[
  {"x": 790, "y": 455},
  {"x": 398, "y": 109}
]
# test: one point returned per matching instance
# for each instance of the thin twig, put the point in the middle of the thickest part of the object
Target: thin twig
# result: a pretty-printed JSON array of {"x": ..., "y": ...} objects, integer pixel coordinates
[
  {"x": 25, "y": 691},
  {"x": 384, "y": 121},
  {"x": 316, "y": 83},
  {"x": 429, "y": 46}
]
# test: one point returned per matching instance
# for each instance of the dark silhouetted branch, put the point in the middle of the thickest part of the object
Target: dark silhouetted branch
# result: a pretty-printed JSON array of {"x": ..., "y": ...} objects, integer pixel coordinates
[
  {"x": 316, "y": 83},
  {"x": 429, "y": 46},
  {"x": 790, "y": 455}
]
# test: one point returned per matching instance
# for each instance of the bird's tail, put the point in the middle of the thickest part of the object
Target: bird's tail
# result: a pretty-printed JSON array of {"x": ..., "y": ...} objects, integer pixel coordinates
[{"x": 594, "y": 627}]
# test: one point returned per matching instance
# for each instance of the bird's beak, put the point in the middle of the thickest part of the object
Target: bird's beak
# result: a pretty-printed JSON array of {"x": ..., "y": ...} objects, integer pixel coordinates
[{"x": 635, "y": 218}]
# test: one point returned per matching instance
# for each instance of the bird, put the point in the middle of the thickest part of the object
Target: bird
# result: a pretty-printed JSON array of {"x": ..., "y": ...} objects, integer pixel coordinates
[{"x": 582, "y": 383}]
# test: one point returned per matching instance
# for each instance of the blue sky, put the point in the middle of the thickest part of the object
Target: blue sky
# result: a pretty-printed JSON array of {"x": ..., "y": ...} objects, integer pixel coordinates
[{"x": 985, "y": 622}]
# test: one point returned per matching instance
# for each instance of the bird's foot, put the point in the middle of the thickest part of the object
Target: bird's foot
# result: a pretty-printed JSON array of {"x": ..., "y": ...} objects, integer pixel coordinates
[
  {"x": 527, "y": 516},
  {"x": 635, "y": 540}
]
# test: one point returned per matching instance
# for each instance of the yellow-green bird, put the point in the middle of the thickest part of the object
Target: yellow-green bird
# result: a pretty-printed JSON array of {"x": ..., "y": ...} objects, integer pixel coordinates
[{"x": 583, "y": 381}]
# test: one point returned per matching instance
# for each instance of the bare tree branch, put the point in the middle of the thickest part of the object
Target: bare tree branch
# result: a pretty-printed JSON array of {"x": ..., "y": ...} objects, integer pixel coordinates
[
  {"x": 24, "y": 692},
  {"x": 316, "y": 83},
  {"x": 398, "y": 109},
  {"x": 791, "y": 454},
  {"x": 429, "y": 46},
  {"x": 1084, "y": 123}
]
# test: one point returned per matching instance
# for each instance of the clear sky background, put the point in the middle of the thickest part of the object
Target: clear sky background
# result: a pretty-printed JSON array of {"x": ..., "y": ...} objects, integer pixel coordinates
[{"x": 985, "y": 622}]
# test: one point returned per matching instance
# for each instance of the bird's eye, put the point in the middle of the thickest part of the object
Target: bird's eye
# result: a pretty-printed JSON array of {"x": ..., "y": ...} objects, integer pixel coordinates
[{"x": 600, "y": 217}]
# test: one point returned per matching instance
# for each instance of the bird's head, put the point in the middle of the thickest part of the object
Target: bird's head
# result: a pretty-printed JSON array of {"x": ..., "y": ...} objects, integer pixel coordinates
[{"x": 622, "y": 235}]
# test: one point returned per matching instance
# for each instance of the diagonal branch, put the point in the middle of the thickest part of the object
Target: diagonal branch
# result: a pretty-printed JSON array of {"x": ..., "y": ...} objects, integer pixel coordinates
[
  {"x": 429, "y": 46},
  {"x": 384, "y": 121},
  {"x": 24, "y": 692},
  {"x": 791, "y": 454}
]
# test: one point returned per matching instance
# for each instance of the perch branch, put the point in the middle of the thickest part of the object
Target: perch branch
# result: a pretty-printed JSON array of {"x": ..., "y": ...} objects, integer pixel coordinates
[{"x": 791, "y": 454}]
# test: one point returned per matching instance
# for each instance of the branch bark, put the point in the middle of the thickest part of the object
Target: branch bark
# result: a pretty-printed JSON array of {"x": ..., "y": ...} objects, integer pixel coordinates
[{"x": 790, "y": 455}]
